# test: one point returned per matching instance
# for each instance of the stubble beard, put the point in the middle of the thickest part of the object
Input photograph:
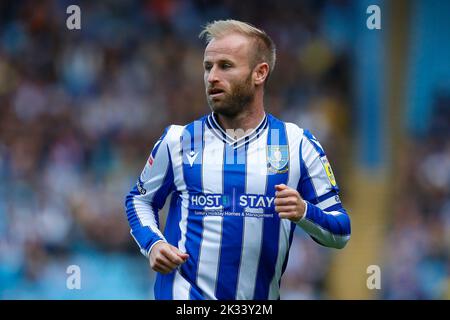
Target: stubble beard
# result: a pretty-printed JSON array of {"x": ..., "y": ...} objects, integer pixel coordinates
[{"x": 242, "y": 94}]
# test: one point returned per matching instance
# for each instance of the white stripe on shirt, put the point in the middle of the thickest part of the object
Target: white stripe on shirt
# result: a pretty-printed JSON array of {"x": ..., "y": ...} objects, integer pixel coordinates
[{"x": 253, "y": 227}]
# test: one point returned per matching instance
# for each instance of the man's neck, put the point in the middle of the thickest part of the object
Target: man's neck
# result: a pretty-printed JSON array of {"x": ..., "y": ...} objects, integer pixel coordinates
[{"x": 242, "y": 123}]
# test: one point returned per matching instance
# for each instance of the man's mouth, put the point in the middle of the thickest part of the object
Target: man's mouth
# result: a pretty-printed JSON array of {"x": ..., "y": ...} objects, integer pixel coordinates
[{"x": 215, "y": 92}]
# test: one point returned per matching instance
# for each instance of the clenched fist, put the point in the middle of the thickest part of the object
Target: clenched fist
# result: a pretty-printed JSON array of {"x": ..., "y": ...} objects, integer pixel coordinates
[
  {"x": 289, "y": 203},
  {"x": 164, "y": 258}
]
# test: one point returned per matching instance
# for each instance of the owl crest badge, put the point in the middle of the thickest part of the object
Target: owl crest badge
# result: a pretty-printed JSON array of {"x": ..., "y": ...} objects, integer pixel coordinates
[{"x": 278, "y": 158}]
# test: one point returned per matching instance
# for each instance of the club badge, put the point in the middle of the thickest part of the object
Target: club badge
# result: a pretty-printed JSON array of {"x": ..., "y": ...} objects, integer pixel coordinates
[{"x": 278, "y": 158}]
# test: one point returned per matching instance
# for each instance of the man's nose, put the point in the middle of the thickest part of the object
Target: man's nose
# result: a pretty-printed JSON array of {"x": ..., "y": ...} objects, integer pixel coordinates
[{"x": 213, "y": 76}]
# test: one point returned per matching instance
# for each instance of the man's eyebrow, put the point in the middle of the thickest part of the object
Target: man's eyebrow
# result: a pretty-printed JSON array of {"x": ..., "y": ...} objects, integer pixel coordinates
[
  {"x": 226, "y": 60},
  {"x": 206, "y": 61}
]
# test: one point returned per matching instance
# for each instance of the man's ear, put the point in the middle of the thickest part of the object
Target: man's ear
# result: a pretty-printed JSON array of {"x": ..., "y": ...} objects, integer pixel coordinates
[{"x": 260, "y": 73}]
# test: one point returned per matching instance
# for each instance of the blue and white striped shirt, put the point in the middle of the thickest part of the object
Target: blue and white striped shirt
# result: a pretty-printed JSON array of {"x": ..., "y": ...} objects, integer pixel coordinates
[{"x": 222, "y": 210}]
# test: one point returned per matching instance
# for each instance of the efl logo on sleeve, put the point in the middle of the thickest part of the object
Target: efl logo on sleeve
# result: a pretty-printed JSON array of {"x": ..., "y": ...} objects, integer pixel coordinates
[{"x": 328, "y": 170}]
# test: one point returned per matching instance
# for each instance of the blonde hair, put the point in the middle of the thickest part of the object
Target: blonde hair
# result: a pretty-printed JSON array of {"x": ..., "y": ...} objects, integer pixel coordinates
[{"x": 264, "y": 49}]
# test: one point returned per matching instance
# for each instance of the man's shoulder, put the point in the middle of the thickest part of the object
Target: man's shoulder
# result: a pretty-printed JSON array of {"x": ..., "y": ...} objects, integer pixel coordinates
[
  {"x": 175, "y": 131},
  {"x": 171, "y": 132},
  {"x": 292, "y": 129}
]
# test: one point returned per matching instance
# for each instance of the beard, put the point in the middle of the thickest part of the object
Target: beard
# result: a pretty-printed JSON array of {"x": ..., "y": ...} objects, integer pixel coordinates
[{"x": 233, "y": 103}]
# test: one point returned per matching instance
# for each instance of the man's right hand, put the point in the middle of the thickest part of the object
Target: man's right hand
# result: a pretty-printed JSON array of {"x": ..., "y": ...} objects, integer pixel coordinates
[{"x": 164, "y": 258}]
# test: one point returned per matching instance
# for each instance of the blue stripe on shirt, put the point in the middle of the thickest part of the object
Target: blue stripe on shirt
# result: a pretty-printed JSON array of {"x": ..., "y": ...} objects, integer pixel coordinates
[
  {"x": 234, "y": 169},
  {"x": 336, "y": 224},
  {"x": 193, "y": 140}
]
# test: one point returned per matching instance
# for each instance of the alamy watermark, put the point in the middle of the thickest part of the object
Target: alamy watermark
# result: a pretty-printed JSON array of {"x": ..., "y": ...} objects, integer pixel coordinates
[
  {"x": 373, "y": 22},
  {"x": 374, "y": 280},
  {"x": 73, "y": 21},
  {"x": 73, "y": 281}
]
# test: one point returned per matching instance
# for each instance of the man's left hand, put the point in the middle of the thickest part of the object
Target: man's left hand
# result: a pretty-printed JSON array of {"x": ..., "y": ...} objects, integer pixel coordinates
[{"x": 289, "y": 203}]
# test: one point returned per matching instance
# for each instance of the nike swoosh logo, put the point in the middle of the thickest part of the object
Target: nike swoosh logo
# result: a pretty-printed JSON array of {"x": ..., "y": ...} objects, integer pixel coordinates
[{"x": 192, "y": 158}]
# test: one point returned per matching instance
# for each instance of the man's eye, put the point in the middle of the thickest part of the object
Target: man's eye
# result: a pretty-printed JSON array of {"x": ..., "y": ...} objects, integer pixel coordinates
[{"x": 226, "y": 65}]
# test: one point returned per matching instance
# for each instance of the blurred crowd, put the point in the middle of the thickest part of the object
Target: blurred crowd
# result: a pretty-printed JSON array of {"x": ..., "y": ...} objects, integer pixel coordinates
[
  {"x": 80, "y": 110},
  {"x": 417, "y": 251}
]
